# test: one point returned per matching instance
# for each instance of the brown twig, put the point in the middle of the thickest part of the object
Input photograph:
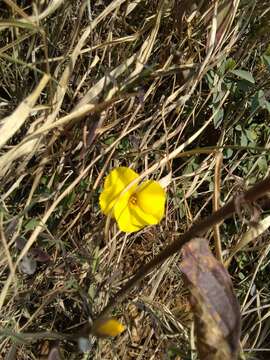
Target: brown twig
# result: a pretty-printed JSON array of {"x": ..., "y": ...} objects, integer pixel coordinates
[{"x": 253, "y": 194}]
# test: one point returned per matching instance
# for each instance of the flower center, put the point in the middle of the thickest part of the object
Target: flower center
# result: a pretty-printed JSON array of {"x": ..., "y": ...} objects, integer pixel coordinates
[{"x": 132, "y": 200}]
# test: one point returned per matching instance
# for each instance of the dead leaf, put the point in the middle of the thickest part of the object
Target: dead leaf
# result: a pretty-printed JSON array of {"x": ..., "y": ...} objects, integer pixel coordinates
[
  {"x": 54, "y": 354},
  {"x": 84, "y": 344},
  {"x": 28, "y": 265},
  {"x": 40, "y": 255},
  {"x": 215, "y": 306},
  {"x": 224, "y": 16},
  {"x": 20, "y": 242},
  {"x": 36, "y": 253},
  {"x": 165, "y": 181}
]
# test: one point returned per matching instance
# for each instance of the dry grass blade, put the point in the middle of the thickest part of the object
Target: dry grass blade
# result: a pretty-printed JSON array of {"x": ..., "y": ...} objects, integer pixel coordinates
[
  {"x": 249, "y": 236},
  {"x": 92, "y": 94},
  {"x": 16, "y": 8},
  {"x": 216, "y": 202},
  {"x": 34, "y": 19},
  {"x": 13, "y": 122}
]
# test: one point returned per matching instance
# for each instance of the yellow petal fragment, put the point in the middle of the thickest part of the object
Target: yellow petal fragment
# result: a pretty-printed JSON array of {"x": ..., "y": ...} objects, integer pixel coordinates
[
  {"x": 117, "y": 180},
  {"x": 108, "y": 327},
  {"x": 151, "y": 198}
]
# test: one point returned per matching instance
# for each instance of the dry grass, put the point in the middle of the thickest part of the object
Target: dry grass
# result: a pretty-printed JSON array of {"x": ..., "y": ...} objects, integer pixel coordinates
[{"x": 86, "y": 86}]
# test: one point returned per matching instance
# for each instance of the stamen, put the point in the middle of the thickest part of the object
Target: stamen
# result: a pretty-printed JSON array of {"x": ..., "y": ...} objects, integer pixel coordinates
[{"x": 133, "y": 199}]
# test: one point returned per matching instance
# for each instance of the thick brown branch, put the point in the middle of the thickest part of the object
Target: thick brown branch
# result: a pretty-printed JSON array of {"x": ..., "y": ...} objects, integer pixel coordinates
[{"x": 256, "y": 192}]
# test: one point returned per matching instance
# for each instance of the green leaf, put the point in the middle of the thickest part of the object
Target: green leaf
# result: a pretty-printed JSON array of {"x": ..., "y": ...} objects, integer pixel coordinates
[
  {"x": 243, "y": 86},
  {"x": 243, "y": 74},
  {"x": 267, "y": 106},
  {"x": 230, "y": 64},
  {"x": 259, "y": 100},
  {"x": 210, "y": 78},
  {"x": 218, "y": 117},
  {"x": 109, "y": 140},
  {"x": 262, "y": 164},
  {"x": 255, "y": 104},
  {"x": 251, "y": 135},
  {"x": 227, "y": 153},
  {"x": 244, "y": 139},
  {"x": 32, "y": 224},
  {"x": 266, "y": 60},
  {"x": 217, "y": 97},
  {"x": 267, "y": 51}
]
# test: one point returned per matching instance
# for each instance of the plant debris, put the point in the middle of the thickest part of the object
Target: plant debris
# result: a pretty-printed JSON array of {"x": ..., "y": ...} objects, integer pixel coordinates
[{"x": 215, "y": 306}]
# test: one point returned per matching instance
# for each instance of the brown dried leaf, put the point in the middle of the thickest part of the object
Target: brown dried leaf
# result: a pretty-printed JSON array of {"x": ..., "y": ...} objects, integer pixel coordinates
[
  {"x": 55, "y": 354},
  {"x": 225, "y": 13},
  {"x": 37, "y": 253},
  {"x": 40, "y": 255},
  {"x": 215, "y": 306}
]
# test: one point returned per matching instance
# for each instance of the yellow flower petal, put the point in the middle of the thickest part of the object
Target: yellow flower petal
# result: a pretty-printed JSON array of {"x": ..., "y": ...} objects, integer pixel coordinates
[
  {"x": 107, "y": 327},
  {"x": 123, "y": 216},
  {"x": 140, "y": 217},
  {"x": 151, "y": 199},
  {"x": 138, "y": 206},
  {"x": 146, "y": 209},
  {"x": 117, "y": 180}
]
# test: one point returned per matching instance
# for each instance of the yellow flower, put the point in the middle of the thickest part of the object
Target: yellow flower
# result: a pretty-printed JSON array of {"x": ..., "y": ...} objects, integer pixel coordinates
[
  {"x": 107, "y": 327},
  {"x": 139, "y": 206}
]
